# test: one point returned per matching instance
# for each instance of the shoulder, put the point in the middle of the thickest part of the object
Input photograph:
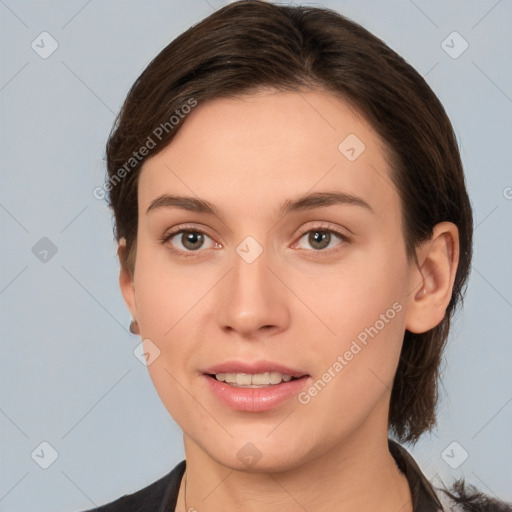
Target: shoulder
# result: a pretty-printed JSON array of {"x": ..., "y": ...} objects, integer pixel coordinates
[
  {"x": 467, "y": 498},
  {"x": 160, "y": 495}
]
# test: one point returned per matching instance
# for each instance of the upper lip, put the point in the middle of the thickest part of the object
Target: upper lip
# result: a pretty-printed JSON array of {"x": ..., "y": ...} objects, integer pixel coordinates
[{"x": 253, "y": 368}]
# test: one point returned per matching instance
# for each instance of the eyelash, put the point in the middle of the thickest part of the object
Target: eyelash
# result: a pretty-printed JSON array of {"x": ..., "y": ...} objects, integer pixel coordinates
[
  {"x": 182, "y": 229},
  {"x": 318, "y": 227},
  {"x": 325, "y": 228}
]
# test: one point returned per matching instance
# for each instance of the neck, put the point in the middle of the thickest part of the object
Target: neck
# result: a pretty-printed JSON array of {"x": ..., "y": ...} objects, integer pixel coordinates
[{"x": 360, "y": 474}]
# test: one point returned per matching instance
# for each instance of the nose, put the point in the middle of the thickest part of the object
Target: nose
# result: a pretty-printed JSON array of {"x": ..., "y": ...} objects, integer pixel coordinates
[{"x": 252, "y": 301}]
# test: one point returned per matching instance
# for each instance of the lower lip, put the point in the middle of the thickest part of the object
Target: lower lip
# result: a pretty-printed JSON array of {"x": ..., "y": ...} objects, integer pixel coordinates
[{"x": 255, "y": 399}]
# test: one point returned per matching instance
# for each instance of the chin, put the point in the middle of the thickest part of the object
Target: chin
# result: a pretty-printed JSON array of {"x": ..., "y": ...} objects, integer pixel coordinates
[{"x": 259, "y": 453}]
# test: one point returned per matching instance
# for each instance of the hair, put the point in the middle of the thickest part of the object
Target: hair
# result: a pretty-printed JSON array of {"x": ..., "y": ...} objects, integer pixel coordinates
[
  {"x": 473, "y": 500},
  {"x": 252, "y": 45}
]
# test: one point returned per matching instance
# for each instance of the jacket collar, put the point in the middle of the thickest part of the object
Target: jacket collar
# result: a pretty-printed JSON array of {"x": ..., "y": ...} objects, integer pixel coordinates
[{"x": 424, "y": 498}]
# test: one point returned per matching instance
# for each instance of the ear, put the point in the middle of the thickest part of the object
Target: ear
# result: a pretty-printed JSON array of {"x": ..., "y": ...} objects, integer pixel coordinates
[
  {"x": 432, "y": 278},
  {"x": 126, "y": 278}
]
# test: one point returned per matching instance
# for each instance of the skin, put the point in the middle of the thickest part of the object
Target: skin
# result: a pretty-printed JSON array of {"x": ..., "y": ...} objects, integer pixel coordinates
[{"x": 298, "y": 303}]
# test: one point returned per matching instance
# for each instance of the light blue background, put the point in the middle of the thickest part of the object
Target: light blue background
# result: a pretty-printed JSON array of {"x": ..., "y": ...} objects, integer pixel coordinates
[{"x": 68, "y": 374}]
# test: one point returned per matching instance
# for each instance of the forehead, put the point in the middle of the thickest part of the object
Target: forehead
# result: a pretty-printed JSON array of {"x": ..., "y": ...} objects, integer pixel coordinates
[{"x": 259, "y": 149}]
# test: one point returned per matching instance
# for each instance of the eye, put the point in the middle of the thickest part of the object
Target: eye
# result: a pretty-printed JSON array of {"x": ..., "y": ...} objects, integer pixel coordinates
[
  {"x": 321, "y": 238},
  {"x": 188, "y": 241}
]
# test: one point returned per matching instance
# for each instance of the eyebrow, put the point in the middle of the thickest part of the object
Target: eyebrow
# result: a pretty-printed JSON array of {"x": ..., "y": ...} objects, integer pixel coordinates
[
  {"x": 191, "y": 204},
  {"x": 306, "y": 202},
  {"x": 319, "y": 199}
]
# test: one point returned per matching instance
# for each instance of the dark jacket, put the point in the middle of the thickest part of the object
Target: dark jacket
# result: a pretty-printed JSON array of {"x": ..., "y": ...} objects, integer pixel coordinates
[{"x": 161, "y": 496}]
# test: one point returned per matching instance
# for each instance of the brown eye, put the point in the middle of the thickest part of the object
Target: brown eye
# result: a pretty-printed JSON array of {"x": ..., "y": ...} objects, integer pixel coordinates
[
  {"x": 319, "y": 239},
  {"x": 192, "y": 240},
  {"x": 187, "y": 241}
]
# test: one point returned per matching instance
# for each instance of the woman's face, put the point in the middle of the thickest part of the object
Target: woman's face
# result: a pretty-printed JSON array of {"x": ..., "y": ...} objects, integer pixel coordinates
[{"x": 281, "y": 275}]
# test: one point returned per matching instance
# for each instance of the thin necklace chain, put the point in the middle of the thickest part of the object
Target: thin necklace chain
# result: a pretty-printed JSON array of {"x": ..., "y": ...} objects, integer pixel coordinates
[{"x": 185, "y": 495}]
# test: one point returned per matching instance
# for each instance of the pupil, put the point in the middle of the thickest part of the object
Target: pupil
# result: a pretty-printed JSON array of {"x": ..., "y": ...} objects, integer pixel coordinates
[
  {"x": 193, "y": 240},
  {"x": 323, "y": 238}
]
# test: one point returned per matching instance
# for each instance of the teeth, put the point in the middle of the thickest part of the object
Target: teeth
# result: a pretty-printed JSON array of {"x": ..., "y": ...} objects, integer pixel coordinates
[
  {"x": 243, "y": 379},
  {"x": 258, "y": 380}
]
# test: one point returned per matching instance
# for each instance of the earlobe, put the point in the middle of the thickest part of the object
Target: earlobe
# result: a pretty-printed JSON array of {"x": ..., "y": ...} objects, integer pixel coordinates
[
  {"x": 126, "y": 279},
  {"x": 432, "y": 278}
]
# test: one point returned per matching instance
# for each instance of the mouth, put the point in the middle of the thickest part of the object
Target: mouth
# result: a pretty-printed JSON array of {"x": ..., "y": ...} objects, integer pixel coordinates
[
  {"x": 254, "y": 387},
  {"x": 258, "y": 374},
  {"x": 253, "y": 380}
]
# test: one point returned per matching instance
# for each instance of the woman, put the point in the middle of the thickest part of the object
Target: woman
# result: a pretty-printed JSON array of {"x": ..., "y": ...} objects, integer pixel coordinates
[{"x": 294, "y": 236}]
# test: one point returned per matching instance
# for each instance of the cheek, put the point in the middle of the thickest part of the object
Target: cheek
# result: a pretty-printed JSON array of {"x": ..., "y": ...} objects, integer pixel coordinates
[
  {"x": 165, "y": 293},
  {"x": 166, "y": 304},
  {"x": 172, "y": 302},
  {"x": 356, "y": 372},
  {"x": 367, "y": 312},
  {"x": 364, "y": 288}
]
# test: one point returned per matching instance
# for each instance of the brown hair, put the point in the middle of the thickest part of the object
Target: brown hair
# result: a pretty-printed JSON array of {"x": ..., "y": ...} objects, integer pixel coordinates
[{"x": 252, "y": 44}]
